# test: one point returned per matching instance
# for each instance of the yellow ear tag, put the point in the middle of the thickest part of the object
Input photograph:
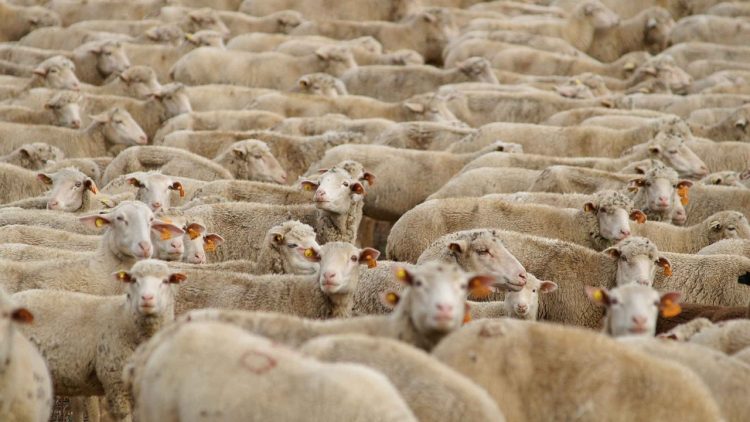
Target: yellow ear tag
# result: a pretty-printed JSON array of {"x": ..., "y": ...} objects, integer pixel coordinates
[
  {"x": 210, "y": 246},
  {"x": 670, "y": 309},
  {"x": 309, "y": 252},
  {"x": 307, "y": 187},
  {"x": 165, "y": 234},
  {"x": 578, "y": 82},
  {"x": 401, "y": 274},
  {"x": 598, "y": 296},
  {"x": 683, "y": 193},
  {"x": 391, "y": 298},
  {"x": 122, "y": 275},
  {"x": 371, "y": 263},
  {"x": 99, "y": 222},
  {"x": 193, "y": 233}
]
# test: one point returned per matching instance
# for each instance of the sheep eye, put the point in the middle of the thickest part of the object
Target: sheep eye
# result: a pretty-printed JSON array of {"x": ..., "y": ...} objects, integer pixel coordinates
[
  {"x": 78, "y": 184},
  {"x": 257, "y": 157},
  {"x": 165, "y": 281},
  {"x": 118, "y": 122},
  {"x": 613, "y": 301},
  {"x": 484, "y": 252},
  {"x": 354, "y": 258},
  {"x": 53, "y": 70},
  {"x": 656, "y": 303},
  {"x": 120, "y": 218},
  {"x": 732, "y": 228},
  {"x": 672, "y": 151},
  {"x": 346, "y": 184},
  {"x": 291, "y": 245},
  {"x": 533, "y": 291},
  {"x": 417, "y": 283}
]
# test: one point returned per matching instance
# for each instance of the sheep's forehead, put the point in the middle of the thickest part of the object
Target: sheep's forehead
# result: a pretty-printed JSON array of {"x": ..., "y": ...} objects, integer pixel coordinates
[
  {"x": 635, "y": 246},
  {"x": 661, "y": 172},
  {"x": 667, "y": 141},
  {"x": 69, "y": 173},
  {"x": 150, "y": 268},
  {"x": 338, "y": 248},
  {"x": 354, "y": 168},
  {"x": 634, "y": 293},
  {"x": 62, "y": 99},
  {"x": 612, "y": 199},
  {"x": 156, "y": 179},
  {"x": 435, "y": 273},
  {"x": 299, "y": 231},
  {"x": 139, "y": 73},
  {"x": 132, "y": 209}
]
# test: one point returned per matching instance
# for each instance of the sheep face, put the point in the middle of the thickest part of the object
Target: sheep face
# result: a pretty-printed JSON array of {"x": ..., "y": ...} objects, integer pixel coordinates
[
  {"x": 674, "y": 153},
  {"x": 429, "y": 107},
  {"x": 656, "y": 31},
  {"x": 68, "y": 187},
  {"x": 119, "y": 127},
  {"x": 403, "y": 57},
  {"x": 129, "y": 229},
  {"x": 727, "y": 225},
  {"x": 436, "y": 295},
  {"x": 632, "y": 309},
  {"x": 206, "y": 39},
  {"x": 154, "y": 189},
  {"x": 478, "y": 69},
  {"x": 168, "y": 33},
  {"x": 141, "y": 81},
  {"x": 38, "y": 155},
  {"x": 173, "y": 100},
  {"x": 339, "y": 266},
  {"x": 335, "y": 191},
  {"x": 723, "y": 178},
  {"x": 637, "y": 259},
  {"x": 150, "y": 288},
  {"x": 198, "y": 242},
  {"x": 110, "y": 58},
  {"x": 253, "y": 160},
  {"x": 737, "y": 123},
  {"x": 524, "y": 304},
  {"x": 612, "y": 210},
  {"x": 66, "y": 109},
  {"x": 597, "y": 14},
  {"x": 288, "y": 20},
  {"x": 485, "y": 253},
  {"x": 369, "y": 44},
  {"x": 58, "y": 73},
  {"x": 296, "y": 244},
  {"x": 335, "y": 60},
  {"x": 666, "y": 71},
  {"x": 171, "y": 249},
  {"x": 39, "y": 17},
  {"x": 321, "y": 84},
  {"x": 205, "y": 19}
]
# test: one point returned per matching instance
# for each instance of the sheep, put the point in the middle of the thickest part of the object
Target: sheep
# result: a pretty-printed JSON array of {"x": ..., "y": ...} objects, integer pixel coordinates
[
  {"x": 681, "y": 106},
  {"x": 249, "y": 160},
  {"x": 389, "y": 83},
  {"x": 393, "y": 166},
  {"x": 231, "y": 23},
  {"x": 710, "y": 29},
  {"x": 727, "y": 247},
  {"x": 75, "y": 12},
  {"x": 426, "y": 136},
  {"x": 671, "y": 150},
  {"x": 523, "y": 304},
  {"x": 33, "y": 156},
  {"x": 23, "y": 252},
  {"x": 19, "y": 20},
  {"x": 295, "y": 153},
  {"x": 67, "y": 38},
  {"x": 432, "y": 306},
  {"x": 428, "y": 107},
  {"x": 107, "y": 130},
  {"x": 226, "y": 120},
  {"x": 136, "y": 82},
  {"x": 222, "y": 97},
  {"x": 126, "y": 240},
  {"x": 194, "y": 20},
  {"x": 512, "y": 8},
  {"x": 683, "y": 332},
  {"x": 578, "y": 115},
  {"x": 26, "y": 387},
  {"x": 320, "y": 84},
  {"x": 488, "y": 180},
  {"x": 730, "y": 128},
  {"x": 666, "y": 327},
  {"x": 335, "y": 215},
  {"x": 309, "y": 126},
  {"x": 485, "y": 43},
  {"x": 685, "y": 53},
  {"x": 718, "y": 226},
  {"x": 71, "y": 190},
  {"x": 153, "y": 188},
  {"x": 573, "y": 141},
  {"x": 244, "y": 364},
  {"x": 573, "y": 267},
  {"x": 56, "y": 72},
  {"x": 327, "y": 294},
  {"x": 47, "y": 237},
  {"x": 242, "y": 190},
  {"x": 532, "y": 347},
  {"x": 426, "y": 32},
  {"x": 441, "y": 394},
  {"x": 723, "y": 375},
  {"x": 721, "y": 156},
  {"x": 258, "y": 69},
  {"x": 366, "y": 50},
  {"x": 728, "y": 336},
  {"x": 147, "y": 305},
  {"x": 391, "y": 10},
  {"x": 61, "y": 110},
  {"x": 598, "y": 225},
  {"x": 18, "y": 183},
  {"x": 197, "y": 242},
  {"x": 658, "y": 192},
  {"x": 648, "y": 30},
  {"x": 632, "y": 308}
]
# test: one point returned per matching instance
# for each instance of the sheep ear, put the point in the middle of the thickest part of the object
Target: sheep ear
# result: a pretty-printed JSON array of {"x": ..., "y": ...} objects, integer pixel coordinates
[
  {"x": 194, "y": 230},
  {"x": 589, "y": 207},
  {"x": 22, "y": 316},
  {"x": 598, "y": 295},
  {"x": 123, "y": 276},
  {"x": 40, "y": 71},
  {"x": 651, "y": 23},
  {"x": 740, "y": 123},
  {"x": 90, "y": 185},
  {"x": 403, "y": 275},
  {"x": 166, "y": 230},
  {"x": 480, "y": 286},
  {"x": 369, "y": 178},
  {"x": 357, "y": 188},
  {"x": 135, "y": 182},
  {"x": 304, "y": 82},
  {"x": 654, "y": 149},
  {"x": 547, "y": 287},
  {"x": 99, "y": 118},
  {"x": 44, "y": 178},
  {"x": 239, "y": 152},
  {"x": 650, "y": 70},
  {"x": 177, "y": 278},
  {"x": 390, "y": 299},
  {"x": 308, "y": 185},
  {"x": 212, "y": 241},
  {"x": 457, "y": 247},
  {"x": 669, "y": 305},
  {"x": 613, "y": 252},
  {"x": 369, "y": 256},
  {"x": 715, "y": 225},
  {"x": 178, "y": 187},
  {"x": 322, "y": 52},
  {"x": 664, "y": 263},
  {"x": 415, "y": 107},
  {"x": 95, "y": 221},
  {"x": 276, "y": 237},
  {"x": 26, "y": 154},
  {"x": 638, "y": 216}
]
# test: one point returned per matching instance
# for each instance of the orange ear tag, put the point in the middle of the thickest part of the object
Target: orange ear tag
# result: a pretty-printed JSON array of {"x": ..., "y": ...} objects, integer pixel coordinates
[
  {"x": 467, "y": 314},
  {"x": 210, "y": 246},
  {"x": 371, "y": 263},
  {"x": 166, "y": 234},
  {"x": 182, "y": 191},
  {"x": 683, "y": 193},
  {"x": 193, "y": 233},
  {"x": 667, "y": 270},
  {"x": 670, "y": 309}
]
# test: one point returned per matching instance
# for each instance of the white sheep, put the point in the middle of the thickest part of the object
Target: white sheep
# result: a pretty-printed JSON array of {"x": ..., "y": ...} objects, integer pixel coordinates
[
  {"x": 33, "y": 156},
  {"x": 522, "y": 304}
]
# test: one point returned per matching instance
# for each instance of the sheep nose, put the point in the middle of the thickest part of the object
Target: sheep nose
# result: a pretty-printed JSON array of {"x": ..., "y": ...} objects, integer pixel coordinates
[
  {"x": 639, "y": 320},
  {"x": 523, "y": 307},
  {"x": 703, "y": 170},
  {"x": 663, "y": 200},
  {"x": 145, "y": 248},
  {"x": 174, "y": 245},
  {"x": 76, "y": 124},
  {"x": 320, "y": 195},
  {"x": 283, "y": 178},
  {"x": 76, "y": 86},
  {"x": 522, "y": 278},
  {"x": 198, "y": 258},
  {"x": 53, "y": 204},
  {"x": 329, "y": 275},
  {"x": 445, "y": 309},
  {"x": 142, "y": 140},
  {"x": 625, "y": 232},
  {"x": 147, "y": 297},
  {"x": 155, "y": 205}
]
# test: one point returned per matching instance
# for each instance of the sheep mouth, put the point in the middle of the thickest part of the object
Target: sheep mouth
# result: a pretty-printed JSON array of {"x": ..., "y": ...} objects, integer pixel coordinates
[
  {"x": 520, "y": 312},
  {"x": 637, "y": 330},
  {"x": 515, "y": 287}
]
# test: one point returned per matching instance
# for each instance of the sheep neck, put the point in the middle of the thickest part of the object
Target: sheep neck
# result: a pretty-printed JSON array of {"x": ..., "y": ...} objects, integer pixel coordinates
[
  {"x": 339, "y": 227},
  {"x": 631, "y": 33},
  {"x": 270, "y": 261},
  {"x": 341, "y": 305},
  {"x": 141, "y": 326},
  {"x": 110, "y": 257}
]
